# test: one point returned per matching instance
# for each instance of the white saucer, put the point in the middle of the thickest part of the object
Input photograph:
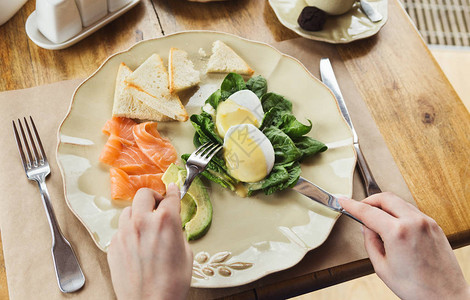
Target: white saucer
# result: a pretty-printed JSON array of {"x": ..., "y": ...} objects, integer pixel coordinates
[
  {"x": 39, "y": 39},
  {"x": 345, "y": 28}
]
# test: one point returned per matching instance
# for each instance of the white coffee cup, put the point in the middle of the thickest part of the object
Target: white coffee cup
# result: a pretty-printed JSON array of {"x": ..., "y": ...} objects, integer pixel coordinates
[
  {"x": 8, "y": 9},
  {"x": 332, "y": 7}
]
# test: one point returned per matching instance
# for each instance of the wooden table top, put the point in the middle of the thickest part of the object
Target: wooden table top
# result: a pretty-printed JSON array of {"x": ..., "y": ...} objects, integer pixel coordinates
[{"x": 422, "y": 119}]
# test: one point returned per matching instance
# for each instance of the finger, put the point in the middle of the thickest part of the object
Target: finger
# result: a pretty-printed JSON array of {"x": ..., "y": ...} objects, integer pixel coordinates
[
  {"x": 374, "y": 247},
  {"x": 172, "y": 200},
  {"x": 373, "y": 243},
  {"x": 144, "y": 202},
  {"x": 189, "y": 251},
  {"x": 125, "y": 217},
  {"x": 373, "y": 217},
  {"x": 392, "y": 204}
]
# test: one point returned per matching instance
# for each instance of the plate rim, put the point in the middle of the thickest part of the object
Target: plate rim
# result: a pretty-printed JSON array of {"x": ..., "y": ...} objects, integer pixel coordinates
[{"x": 62, "y": 172}]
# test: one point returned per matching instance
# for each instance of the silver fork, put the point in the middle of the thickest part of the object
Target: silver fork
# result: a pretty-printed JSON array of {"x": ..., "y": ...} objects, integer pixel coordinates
[
  {"x": 197, "y": 163},
  {"x": 67, "y": 269}
]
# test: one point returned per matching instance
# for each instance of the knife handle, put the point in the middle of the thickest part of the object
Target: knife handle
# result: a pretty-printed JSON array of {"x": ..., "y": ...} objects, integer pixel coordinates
[
  {"x": 351, "y": 216},
  {"x": 371, "y": 185}
]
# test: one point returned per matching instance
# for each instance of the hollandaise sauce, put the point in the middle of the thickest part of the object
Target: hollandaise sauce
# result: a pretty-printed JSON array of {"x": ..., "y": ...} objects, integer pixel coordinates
[
  {"x": 244, "y": 157},
  {"x": 230, "y": 113}
]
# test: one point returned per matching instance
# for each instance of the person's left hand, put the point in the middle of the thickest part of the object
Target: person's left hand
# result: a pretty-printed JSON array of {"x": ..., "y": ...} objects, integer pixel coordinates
[{"x": 149, "y": 257}]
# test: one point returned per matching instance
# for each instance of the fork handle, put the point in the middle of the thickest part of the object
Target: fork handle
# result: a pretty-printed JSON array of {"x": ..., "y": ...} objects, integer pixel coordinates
[
  {"x": 371, "y": 185},
  {"x": 192, "y": 171},
  {"x": 67, "y": 268}
]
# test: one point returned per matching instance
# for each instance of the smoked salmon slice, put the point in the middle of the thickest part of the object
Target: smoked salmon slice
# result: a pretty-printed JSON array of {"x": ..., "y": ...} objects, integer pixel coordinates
[
  {"x": 134, "y": 162},
  {"x": 138, "y": 154},
  {"x": 158, "y": 149},
  {"x": 124, "y": 186},
  {"x": 129, "y": 158},
  {"x": 120, "y": 127}
]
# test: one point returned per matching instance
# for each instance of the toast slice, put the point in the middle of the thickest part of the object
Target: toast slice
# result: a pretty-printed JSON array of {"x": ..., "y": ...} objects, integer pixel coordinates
[
  {"x": 150, "y": 84},
  {"x": 181, "y": 71},
  {"x": 125, "y": 105},
  {"x": 225, "y": 60}
]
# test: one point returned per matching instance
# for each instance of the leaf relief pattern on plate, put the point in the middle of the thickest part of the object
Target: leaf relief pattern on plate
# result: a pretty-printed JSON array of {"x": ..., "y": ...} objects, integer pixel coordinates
[{"x": 206, "y": 266}]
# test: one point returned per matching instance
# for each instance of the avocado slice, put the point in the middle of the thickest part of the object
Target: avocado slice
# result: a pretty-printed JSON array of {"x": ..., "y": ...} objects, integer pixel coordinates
[
  {"x": 188, "y": 205},
  {"x": 199, "y": 223}
]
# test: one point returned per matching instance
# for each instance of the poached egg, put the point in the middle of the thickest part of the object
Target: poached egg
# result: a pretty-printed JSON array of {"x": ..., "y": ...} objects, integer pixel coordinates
[
  {"x": 248, "y": 153},
  {"x": 242, "y": 107}
]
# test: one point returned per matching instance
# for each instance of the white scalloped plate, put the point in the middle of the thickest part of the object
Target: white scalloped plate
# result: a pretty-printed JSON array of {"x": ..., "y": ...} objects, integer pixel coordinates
[
  {"x": 351, "y": 26},
  {"x": 249, "y": 237}
]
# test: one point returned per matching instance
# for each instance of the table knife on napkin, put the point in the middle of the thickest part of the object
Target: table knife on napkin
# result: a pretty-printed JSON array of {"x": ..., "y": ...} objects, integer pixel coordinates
[{"x": 329, "y": 79}]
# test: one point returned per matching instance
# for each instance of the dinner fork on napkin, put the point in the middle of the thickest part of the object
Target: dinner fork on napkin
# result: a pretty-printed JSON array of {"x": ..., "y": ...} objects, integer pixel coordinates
[{"x": 67, "y": 268}]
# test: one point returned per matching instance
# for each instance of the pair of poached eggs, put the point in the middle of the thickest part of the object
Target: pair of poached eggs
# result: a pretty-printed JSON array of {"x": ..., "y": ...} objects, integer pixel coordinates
[{"x": 248, "y": 153}]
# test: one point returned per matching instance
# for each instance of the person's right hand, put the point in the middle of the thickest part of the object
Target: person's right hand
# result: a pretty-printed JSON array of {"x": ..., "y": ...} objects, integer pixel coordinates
[
  {"x": 149, "y": 257},
  {"x": 408, "y": 250}
]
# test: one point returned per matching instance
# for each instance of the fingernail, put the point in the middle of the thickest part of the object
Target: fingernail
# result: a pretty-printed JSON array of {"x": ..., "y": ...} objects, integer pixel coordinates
[
  {"x": 341, "y": 199},
  {"x": 362, "y": 229}
]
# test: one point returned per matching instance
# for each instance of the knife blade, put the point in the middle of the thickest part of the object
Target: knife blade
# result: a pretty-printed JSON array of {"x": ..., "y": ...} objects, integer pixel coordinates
[
  {"x": 329, "y": 79},
  {"x": 321, "y": 196}
]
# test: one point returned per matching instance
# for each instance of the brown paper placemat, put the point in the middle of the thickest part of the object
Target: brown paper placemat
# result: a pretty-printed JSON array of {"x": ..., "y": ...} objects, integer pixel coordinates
[{"x": 25, "y": 232}]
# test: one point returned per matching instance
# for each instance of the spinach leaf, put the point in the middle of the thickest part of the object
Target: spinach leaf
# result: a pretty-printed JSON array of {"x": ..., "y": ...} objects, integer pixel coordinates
[
  {"x": 285, "y": 176},
  {"x": 220, "y": 178},
  {"x": 254, "y": 186},
  {"x": 215, "y": 99},
  {"x": 294, "y": 174},
  {"x": 271, "y": 100},
  {"x": 198, "y": 141},
  {"x": 292, "y": 127},
  {"x": 216, "y": 173},
  {"x": 309, "y": 146},
  {"x": 279, "y": 125},
  {"x": 276, "y": 178},
  {"x": 271, "y": 118},
  {"x": 231, "y": 84},
  {"x": 257, "y": 85},
  {"x": 205, "y": 129},
  {"x": 285, "y": 150}
]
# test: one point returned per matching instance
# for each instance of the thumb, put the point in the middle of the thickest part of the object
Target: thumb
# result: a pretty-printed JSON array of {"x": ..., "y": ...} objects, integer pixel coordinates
[
  {"x": 173, "y": 191},
  {"x": 172, "y": 199}
]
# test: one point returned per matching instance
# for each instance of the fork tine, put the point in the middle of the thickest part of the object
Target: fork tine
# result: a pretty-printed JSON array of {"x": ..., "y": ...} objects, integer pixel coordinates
[
  {"x": 202, "y": 148},
  {"x": 213, "y": 151},
  {"x": 26, "y": 144},
  {"x": 38, "y": 139},
  {"x": 33, "y": 144},
  {"x": 198, "y": 150},
  {"x": 206, "y": 150},
  {"x": 20, "y": 146}
]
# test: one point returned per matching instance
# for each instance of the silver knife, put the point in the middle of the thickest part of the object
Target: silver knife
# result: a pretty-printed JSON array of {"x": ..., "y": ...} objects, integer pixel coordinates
[
  {"x": 321, "y": 196},
  {"x": 329, "y": 79}
]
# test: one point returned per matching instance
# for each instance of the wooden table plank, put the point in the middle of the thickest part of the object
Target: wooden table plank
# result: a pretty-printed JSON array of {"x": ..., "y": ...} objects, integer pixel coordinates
[
  {"x": 3, "y": 275},
  {"x": 425, "y": 124},
  {"x": 246, "y": 18},
  {"x": 26, "y": 65},
  {"x": 431, "y": 150},
  {"x": 23, "y": 64},
  {"x": 400, "y": 86},
  {"x": 423, "y": 121}
]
